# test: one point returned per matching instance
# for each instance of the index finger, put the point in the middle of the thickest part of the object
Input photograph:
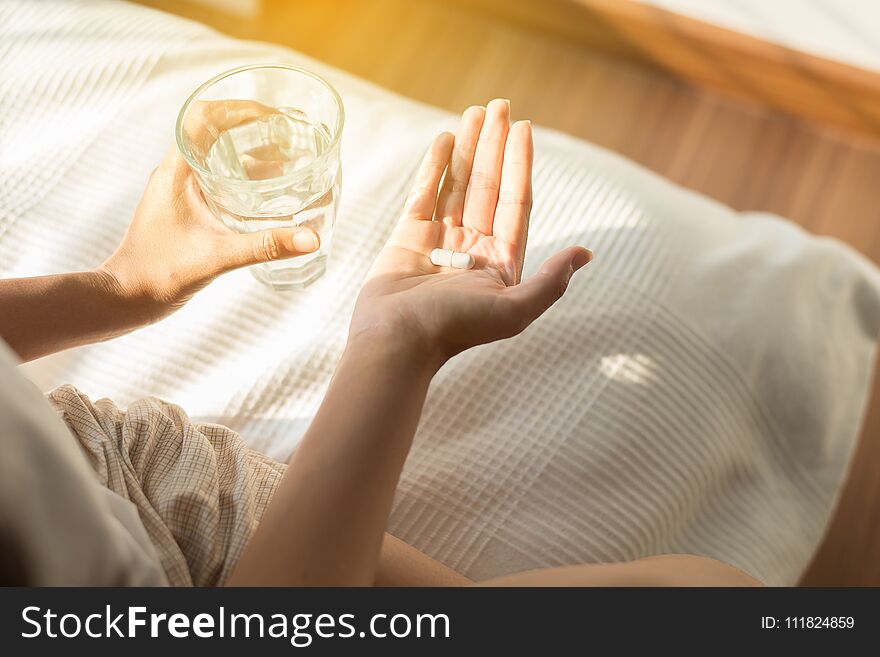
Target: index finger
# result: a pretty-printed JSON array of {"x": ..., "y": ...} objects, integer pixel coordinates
[{"x": 515, "y": 194}]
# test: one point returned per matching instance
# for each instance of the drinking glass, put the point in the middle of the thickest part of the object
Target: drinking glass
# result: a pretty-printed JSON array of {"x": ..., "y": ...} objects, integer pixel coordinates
[{"x": 263, "y": 142}]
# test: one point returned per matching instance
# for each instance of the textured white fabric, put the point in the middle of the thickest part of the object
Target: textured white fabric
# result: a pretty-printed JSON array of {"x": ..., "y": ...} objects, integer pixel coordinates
[{"x": 698, "y": 389}]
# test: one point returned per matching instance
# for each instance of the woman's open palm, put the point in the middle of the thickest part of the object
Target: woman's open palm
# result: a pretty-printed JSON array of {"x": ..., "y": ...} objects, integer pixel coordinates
[{"x": 482, "y": 208}]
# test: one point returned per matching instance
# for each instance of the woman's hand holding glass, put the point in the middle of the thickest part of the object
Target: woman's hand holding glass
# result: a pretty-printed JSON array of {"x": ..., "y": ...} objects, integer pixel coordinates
[{"x": 175, "y": 245}]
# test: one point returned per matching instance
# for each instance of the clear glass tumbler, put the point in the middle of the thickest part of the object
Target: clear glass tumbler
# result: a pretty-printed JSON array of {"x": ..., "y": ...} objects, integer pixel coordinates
[{"x": 263, "y": 142}]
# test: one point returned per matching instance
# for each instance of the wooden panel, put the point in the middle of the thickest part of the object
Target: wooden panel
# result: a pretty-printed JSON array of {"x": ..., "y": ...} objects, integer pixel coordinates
[
  {"x": 850, "y": 553},
  {"x": 800, "y": 84}
]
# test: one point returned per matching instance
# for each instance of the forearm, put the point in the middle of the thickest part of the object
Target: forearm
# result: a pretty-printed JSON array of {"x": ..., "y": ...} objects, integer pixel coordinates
[
  {"x": 327, "y": 519},
  {"x": 45, "y": 314}
]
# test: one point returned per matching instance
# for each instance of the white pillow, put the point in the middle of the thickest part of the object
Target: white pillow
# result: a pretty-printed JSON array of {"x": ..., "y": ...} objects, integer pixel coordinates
[{"x": 698, "y": 389}]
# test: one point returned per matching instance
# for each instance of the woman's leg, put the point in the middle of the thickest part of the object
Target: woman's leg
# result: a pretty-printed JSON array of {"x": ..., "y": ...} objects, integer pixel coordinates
[
  {"x": 403, "y": 565},
  {"x": 663, "y": 570}
]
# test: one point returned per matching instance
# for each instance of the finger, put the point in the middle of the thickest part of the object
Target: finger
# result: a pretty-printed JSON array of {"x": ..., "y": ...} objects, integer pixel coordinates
[
  {"x": 540, "y": 291},
  {"x": 515, "y": 196},
  {"x": 450, "y": 203},
  {"x": 206, "y": 120},
  {"x": 263, "y": 168},
  {"x": 423, "y": 197},
  {"x": 242, "y": 249},
  {"x": 485, "y": 178}
]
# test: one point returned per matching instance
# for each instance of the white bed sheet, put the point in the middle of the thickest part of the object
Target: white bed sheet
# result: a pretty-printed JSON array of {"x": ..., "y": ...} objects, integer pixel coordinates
[{"x": 698, "y": 389}]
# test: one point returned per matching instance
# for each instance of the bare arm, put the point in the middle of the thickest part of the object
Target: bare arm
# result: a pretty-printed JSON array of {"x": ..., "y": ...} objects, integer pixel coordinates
[
  {"x": 325, "y": 523},
  {"x": 41, "y": 315},
  {"x": 173, "y": 248},
  {"x": 327, "y": 519}
]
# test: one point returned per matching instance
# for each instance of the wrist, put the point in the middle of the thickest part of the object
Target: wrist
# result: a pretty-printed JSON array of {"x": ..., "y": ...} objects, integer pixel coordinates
[
  {"x": 399, "y": 346},
  {"x": 141, "y": 309}
]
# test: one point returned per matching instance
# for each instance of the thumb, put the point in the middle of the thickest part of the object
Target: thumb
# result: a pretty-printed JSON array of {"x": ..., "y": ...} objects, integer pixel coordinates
[
  {"x": 541, "y": 290},
  {"x": 244, "y": 249}
]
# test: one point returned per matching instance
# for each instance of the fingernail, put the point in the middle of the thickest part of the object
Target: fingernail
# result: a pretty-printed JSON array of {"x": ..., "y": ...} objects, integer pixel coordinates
[
  {"x": 305, "y": 240},
  {"x": 582, "y": 258}
]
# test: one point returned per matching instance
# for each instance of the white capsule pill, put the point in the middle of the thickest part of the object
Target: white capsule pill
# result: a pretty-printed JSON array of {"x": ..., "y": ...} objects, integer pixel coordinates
[
  {"x": 454, "y": 259},
  {"x": 462, "y": 260},
  {"x": 441, "y": 257}
]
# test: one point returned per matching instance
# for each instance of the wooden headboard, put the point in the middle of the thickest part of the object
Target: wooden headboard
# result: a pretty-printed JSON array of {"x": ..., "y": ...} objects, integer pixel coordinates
[{"x": 798, "y": 84}]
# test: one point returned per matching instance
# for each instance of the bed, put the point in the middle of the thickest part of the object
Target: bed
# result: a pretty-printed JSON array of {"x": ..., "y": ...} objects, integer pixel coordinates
[{"x": 699, "y": 390}]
